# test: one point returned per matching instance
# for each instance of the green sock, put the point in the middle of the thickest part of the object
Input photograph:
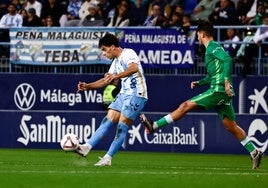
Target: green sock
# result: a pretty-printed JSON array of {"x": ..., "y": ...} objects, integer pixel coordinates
[
  {"x": 247, "y": 143},
  {"x": 164, "y": 121},
  {"x": 161, "y": 122},
  {"x": 250, "y": 146}
]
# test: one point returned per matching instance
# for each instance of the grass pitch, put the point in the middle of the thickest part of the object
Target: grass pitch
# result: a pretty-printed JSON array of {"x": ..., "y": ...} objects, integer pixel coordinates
[{"x": 21, "y": 168}]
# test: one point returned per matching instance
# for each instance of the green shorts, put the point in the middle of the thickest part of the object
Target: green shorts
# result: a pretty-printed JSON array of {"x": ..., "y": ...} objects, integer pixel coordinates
[{"x": 218, "y": 101}]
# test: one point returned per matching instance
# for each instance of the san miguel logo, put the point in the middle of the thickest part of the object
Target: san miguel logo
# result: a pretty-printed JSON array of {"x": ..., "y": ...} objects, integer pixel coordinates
[
  {"x": 24, "y": 96},
  {"x": 52, "y": 128}
]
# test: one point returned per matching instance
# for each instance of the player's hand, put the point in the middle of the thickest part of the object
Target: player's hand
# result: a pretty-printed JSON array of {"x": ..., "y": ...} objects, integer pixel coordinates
[
  {"x": 108, "y": 77},
  {"x": 194, "y": 84},
  {"x": 81, "y": 86},
  {"x": 228, "y": 88}
]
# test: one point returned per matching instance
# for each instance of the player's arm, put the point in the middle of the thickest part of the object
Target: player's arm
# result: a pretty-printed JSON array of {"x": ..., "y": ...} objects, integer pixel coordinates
[
  {"x": 227, "y": 70},
  {"x": 228, "y": 88},
  {"x": 227, "y": 75},
  {"x": 83, "y": 86},
  {"x": 203, "y": 81},
  {"x": 228, "y": 67},
  {"x": 220, "y": 54},
  {"x": 132, "y": 68}
]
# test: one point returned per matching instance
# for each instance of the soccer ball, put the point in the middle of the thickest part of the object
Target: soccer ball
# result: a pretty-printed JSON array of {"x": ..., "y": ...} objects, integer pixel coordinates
[{"x": 69, "y": 142}]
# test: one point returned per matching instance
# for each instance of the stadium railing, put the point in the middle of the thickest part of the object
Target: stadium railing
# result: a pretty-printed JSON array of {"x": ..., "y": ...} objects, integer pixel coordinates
[{"x": 259, "y": 64}]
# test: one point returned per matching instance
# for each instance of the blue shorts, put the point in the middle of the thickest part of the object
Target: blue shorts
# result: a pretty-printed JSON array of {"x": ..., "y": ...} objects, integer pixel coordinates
[{"x": 128, "y": 105}]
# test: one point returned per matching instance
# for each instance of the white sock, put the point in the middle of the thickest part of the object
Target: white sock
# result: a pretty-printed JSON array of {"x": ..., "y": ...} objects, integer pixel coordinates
[
  {"x": 169, "y": 119},
  {"x": 107, "y": 156},
  {"x": 245, "y": 141},
  {"x": 155, "y": 126},
  {"x": 88, "y": 145}
]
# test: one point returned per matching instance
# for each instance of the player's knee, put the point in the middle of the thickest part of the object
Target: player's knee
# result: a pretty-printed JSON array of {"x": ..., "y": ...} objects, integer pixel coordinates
[
  {"x": 185, "y": 106},
  {"x": 113, "y": 115}
]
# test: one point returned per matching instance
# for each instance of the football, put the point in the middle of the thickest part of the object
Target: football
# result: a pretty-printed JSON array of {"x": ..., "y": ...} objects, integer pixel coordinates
[{"x": 69, "y": 142}]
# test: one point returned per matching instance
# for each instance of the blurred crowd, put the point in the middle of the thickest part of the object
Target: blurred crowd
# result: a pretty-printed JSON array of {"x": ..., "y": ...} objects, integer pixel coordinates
[
  {"x": 114, "y": 13},
  {"x": 120, "y": 13}
]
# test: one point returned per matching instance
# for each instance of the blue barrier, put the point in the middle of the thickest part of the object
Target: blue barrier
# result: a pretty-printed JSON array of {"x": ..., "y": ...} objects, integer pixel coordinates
[
  {"x": 195, "y": 133},
  {"x": 52, "y": 92},
  {"x": 37, "y": 109}
]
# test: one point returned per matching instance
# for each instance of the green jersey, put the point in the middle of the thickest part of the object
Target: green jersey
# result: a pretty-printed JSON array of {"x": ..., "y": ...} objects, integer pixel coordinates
[{"x": 219, "y": 67}]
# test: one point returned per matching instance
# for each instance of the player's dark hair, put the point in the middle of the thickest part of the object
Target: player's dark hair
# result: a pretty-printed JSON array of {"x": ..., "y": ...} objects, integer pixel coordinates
[
  {"x": 206, "y": 27},
  {"x": 108, "y": 40}
]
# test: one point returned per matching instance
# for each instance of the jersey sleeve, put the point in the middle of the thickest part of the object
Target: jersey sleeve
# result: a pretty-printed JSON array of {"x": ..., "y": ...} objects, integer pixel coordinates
[
  {"x": 204, "y": 81},
  {"x": 227, "y": 61},
  {"x": 131, "y": 57}
]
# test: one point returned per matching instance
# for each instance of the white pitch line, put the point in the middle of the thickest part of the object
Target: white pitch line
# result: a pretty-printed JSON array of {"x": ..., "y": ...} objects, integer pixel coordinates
[{"x": 253, "y": 173}]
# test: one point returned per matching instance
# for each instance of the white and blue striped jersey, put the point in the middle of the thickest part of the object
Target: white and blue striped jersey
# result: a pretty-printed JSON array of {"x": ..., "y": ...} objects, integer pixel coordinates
[
  {"x": 11, "y": 20},
  {"x": 135, "y": 84}
]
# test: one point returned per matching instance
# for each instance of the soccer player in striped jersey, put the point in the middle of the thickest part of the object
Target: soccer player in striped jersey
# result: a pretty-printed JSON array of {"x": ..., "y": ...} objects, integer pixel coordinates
[{"x": 128, "y": 104}]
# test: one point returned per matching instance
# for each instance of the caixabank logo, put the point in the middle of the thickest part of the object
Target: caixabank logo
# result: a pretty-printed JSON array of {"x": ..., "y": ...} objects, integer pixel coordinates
[
  {"x": 194, "y": 136},
  {"x": 258, "y": 133},
  {"x": 258, "y": 101},
  {"x": 256, "y": 98}
]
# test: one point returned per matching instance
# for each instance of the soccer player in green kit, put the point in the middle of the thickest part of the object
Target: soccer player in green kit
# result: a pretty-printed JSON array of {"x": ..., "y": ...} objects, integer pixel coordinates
[{"x": 219, "y": 96}]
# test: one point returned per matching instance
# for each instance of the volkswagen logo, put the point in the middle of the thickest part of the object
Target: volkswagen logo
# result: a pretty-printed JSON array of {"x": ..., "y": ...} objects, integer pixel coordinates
[{"x": 24, "y": 96}]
